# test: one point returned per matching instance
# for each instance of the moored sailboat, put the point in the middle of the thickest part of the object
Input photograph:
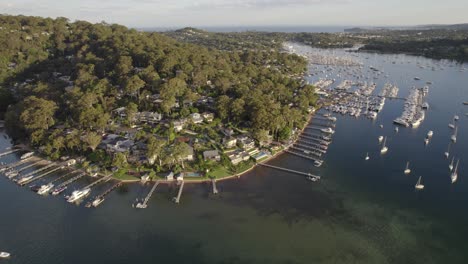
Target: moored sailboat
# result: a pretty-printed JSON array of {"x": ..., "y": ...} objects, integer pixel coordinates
[
  {"x": 419, "y": 185},
  {"x": 384, "y": 148},
  {"x": 454, "y": 175},
  {"x": 407, "y": 169}
]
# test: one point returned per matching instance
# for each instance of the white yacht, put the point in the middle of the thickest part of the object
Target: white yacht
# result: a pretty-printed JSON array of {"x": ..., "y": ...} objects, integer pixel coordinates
[
  {"x": 4, "y": 254},
  {"x": 367, "y": 156},
  {"x": 77, "y": 195},
  {"x": 318, "y": 163},
  {"x": 452, "y": 126},
  {"x": 418, "y": 185},
  {"x": 380, "y": 139},
  {"x": 327, "y": 130},
  {"x": 454, "y": 175},
  {"x": 456, "y": 117},
  {"x": 407, "y": 169},
  {"x": 27, "y": 155},
  {"x": 451, "y": 164},
  {"x": 430, "y": 133},
  {"x": 45, "y": 189},
  {"x": 384, "y": 148}
]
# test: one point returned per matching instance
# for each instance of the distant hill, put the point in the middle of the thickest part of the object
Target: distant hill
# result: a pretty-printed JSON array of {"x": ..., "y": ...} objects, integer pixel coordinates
[
  {"x": 420, "y": 27},
  {"x": 447, "y": 27}
]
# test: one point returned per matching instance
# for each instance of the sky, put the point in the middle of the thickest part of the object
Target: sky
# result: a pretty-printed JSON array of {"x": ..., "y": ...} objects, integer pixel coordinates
[{"x": 225, "y": 13}]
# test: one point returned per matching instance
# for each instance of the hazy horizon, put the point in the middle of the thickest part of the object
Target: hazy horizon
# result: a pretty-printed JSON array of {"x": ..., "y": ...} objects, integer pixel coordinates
[{"x": 247, "y": 13}]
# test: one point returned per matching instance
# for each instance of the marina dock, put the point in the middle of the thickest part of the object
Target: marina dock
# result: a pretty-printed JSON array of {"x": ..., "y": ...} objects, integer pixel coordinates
[
  {"x": 16, "y": 164},
  {"x": 302, "y": 155},
  {"x": 310, "y": 148},
  {"x": 105, "y": 193},
  {"x": 40, "y": 170},
  {"x": 181, "y": 188},
  {"x": 213, "y": 184},
  {"x": 96, "y": 182},
  {"x": 29, "y": 165},
  {"x": 66, "y": 183},
  {"x": 63, "y": 176},
  {"x": 8, "y": 152},
  {"x": 148, "y": 196},
  {"x": 39, "y": 176},
  {"x": 306, "y": 151},
  {"x": 289, "y": 170}
]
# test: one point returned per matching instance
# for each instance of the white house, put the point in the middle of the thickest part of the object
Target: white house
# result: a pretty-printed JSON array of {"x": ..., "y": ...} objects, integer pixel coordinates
[
  {"x": 229, "y": 142},
  {"x": 196, "y": 118}
]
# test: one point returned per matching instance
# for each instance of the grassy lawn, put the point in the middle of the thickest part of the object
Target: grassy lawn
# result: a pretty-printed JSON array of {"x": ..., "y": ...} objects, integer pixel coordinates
[
  {"x": 124, "y": 176},
  {"x": 220, "y": 172}
]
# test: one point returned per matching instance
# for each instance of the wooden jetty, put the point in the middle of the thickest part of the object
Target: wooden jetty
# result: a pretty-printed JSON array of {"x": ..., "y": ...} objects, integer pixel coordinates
[
  {"x": 306, "y": 151},
  {"x": 63, "y": 176},
  {"x": 40, "y": 170},
  {"x": 30, "y": 165},
  {"x": 179, "y": 194},
  {"x": 9, "y": 152},
  {"x": 66, "y": 183},
  {"x": 321, "y": 141},
  {"x": 310, "y": 148},
  {"x": 213, "y": 184},
  {"x": 290, "y": 170},
  {"x": 144, "y": 204},
  {"x": 96, "y": 182},
  {"x": 312, "y": 135},
  {"x": 312, "y": 143},
  {"x": 16, "y": 164},
  {"x": 40, "y": 176},
  {"x": 302, "y": 155},
  {"x": 100, "y": 198}
]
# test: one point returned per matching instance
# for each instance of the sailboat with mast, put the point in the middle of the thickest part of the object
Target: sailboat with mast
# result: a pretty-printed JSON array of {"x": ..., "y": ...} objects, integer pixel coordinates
[
  {"x": 447, "y": 153},
  {"x": 454, "y": 136},
  {"x": 367, "y": 156},
  {"x": 451, "y": 164},
  {"x": 407, "y": 170},
  {"x": 384, "y": 147},
  {"x": 419, "y": 185},
  {"x": 454, "y": 175}
]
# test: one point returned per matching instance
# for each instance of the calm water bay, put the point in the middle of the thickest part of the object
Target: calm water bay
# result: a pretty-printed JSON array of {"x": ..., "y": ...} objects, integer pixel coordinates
[{"x": 360, "y": 212}]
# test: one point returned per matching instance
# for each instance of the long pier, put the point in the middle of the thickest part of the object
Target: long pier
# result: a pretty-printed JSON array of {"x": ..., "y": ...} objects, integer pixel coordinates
[
  {"x": 323, "y": 118},
  {"x": 333, "y": 125},
  {"x": 97, "y": 182},
  {"x": 213, "y": 183},
  {"x": 39, "y": 170},
  {"x": 65, "y": 183},
  {"x": 321, "y": 141},
  {"x": 289, "y": 170},
  {"x": 318, "y": 154},
  {"x": 40, "y": 176},
  {"x": 302, "y": 155},
  {"x": 63, "y": 176},
  {"x": 313, "y": 144},
  {"x": 9, "y": 152},
  {"x": 16, "y": 164},
  {"x": 148, "y": 196},
  {"x": 104, "y": 194},
  {"x": 29, "y": 165},
  {"x": 181, "y": 188},
  {"x": 311, "y": 148},
  {"x": 316, "y": 136}
]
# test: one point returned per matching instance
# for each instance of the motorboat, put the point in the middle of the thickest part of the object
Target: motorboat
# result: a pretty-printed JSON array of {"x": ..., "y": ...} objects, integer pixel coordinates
[
  {"x": 454, "y": 136},
  {"x": 45, "y": 189},
  {"x": 97, "y": 201},
  {"x": 318, "y": 163},
  {"x": 380, "y": 139},
  {"x": 4, "y": 254},
  {"x": 430, "y": 133},
  {"x": 59, "y": 190},
  {"x": 426, "y": 141}
]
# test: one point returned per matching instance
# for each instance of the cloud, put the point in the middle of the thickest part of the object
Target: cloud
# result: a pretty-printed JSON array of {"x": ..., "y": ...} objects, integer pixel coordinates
[{"x": 262, "y": 4}]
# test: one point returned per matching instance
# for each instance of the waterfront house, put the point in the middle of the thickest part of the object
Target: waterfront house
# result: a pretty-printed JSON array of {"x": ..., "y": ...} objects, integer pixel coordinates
[
  {"x": 246, "y": 142},
  {"x": 196, "y": 118},
  {"x": 211, "y": 155},
  {"x": 208, "y": 117},
  {"x": 170, "y": 176},
  {"x": 229, "y": 142}
]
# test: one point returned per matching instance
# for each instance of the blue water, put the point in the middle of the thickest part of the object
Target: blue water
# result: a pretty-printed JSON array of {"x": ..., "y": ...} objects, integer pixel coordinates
[{"x": 360, "y": 212}]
